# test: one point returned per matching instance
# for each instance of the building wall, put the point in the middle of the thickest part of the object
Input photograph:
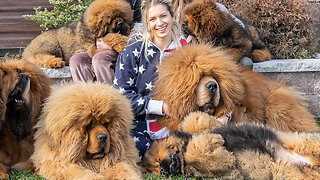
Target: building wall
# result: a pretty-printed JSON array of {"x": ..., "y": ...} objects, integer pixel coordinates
[{"x": 15, "y": 31}]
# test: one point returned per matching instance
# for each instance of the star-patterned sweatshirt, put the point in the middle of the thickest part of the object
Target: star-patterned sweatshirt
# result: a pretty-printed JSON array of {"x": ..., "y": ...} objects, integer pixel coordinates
[{"x": 135, "y": 75}]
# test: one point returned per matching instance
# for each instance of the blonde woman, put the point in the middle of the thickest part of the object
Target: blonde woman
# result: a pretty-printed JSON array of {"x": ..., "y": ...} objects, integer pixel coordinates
[{"x": 137, "y": 65}]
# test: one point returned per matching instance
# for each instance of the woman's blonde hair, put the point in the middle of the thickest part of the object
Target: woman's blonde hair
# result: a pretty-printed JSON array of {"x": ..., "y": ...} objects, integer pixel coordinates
[{"x": 144, "y": 35}]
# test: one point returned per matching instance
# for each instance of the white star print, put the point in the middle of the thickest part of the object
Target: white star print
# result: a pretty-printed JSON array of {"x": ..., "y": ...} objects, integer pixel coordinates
[
  {"x": 136, "y": 139},
  {"x": 121, "y": 90},
  {"x": 148, "y": 145},
  {"x": 135, "y": 52},
  {"x": 140, "y": 101},
  {"x": 121, "y": 66},
  {"x": 115, "y": 81},
  {"x": 141, "y": 69},
  {"x": 135, "y": 69},
  {"x": 149, "y": 86},
  {"x": 130, "y": 82},
  {"x": 150, "y": 52}
]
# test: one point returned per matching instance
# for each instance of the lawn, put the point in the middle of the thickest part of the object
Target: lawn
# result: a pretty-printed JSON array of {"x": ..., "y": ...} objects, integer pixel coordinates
[{"x": 15, "y": 175}]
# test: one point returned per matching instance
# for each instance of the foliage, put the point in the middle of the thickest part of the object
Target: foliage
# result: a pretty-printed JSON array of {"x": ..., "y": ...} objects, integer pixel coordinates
[
  {"x": 288, "y": 27},
  {"x": 63, "y": 11}
]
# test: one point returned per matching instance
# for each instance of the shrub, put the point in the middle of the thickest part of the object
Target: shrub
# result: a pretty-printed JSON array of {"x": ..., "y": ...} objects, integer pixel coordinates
[
  {"x": 63, "y": 11},
  {"x": 288, "y": 27}
]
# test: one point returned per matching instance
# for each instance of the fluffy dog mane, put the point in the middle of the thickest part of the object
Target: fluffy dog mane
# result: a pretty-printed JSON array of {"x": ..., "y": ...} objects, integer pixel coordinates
[
  {"x": 61, "y": 135},
  {"x": 184, "y": 68},
  {"x": 93, "y": 16}
]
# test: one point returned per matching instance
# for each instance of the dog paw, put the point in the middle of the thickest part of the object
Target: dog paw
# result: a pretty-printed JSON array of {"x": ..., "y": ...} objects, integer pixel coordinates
[
  {"x": 197, "y": 122},
  {"x": 55, "y": 63}
]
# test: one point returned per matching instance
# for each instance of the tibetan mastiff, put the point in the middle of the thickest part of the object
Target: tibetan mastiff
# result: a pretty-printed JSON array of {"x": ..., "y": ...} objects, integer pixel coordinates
[
  {"x": 199, "y": 77},
  {"x": 23, "y": 88},
  {"x": 236, "y": 151},
  {"x": 110, "y": 19},
  {"x": 84, "y": 133},
  {"x": 207, "y": 22}
]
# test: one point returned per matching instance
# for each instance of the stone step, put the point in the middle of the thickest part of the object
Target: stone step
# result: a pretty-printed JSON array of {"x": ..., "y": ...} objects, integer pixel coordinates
[{"x": 301, "y": 74}]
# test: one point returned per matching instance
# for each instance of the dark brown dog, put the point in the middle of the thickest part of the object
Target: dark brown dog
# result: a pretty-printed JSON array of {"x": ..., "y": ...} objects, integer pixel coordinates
[
  {"x": 206, "y": 22},
  {"x": 23, "y": 88}
]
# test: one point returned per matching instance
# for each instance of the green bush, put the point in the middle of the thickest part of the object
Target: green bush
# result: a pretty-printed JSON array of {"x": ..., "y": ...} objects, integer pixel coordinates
[
  {"x": 288, "y": 27},
  {"x": 63, "y": 11}
]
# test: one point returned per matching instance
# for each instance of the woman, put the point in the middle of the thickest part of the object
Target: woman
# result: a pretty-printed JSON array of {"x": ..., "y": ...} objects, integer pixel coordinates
[{"x": 137, "y": 65}]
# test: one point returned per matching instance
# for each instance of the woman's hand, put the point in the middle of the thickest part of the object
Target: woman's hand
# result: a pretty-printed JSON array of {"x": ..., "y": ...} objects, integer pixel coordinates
[
  {"x": 101, "y": 46},
  {"x": 165, "y": 110}
]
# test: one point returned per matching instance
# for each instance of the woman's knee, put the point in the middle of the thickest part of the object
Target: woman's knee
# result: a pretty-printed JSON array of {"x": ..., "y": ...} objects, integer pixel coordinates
[
  {"x": 104, "y": 57},
  {"x": 79, "y": 59}
]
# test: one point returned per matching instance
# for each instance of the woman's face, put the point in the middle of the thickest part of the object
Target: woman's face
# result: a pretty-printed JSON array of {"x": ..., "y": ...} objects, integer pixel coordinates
[{"x": 159, "y": 21}]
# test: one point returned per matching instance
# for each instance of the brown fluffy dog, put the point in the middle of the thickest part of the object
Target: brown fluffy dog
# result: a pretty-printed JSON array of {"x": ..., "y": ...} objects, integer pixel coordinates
[
  {"x": 235, "y": 151},
  {"x": 110, "y": 19},
  {"x": 84, "y": 133},
  {"x": 199, "y": 77},
  {"x": 207, "y": 23},
  {"x": 23, "y": 88}
]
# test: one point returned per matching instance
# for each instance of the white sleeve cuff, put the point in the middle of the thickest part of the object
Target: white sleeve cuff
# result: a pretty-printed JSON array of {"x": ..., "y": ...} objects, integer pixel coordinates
[{"x": 155, "y": 107}]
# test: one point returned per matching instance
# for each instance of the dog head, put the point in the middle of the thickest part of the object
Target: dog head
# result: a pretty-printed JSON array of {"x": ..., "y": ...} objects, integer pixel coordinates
[
  {"x": 203, "y": 20},
  {"x": 197, "y": 77},
  {"x": 87, "y": 123},
  {"x": 108, "y": 16},
  {"x": 166, "y": 156},
  {"x": 15, "y": 88}
]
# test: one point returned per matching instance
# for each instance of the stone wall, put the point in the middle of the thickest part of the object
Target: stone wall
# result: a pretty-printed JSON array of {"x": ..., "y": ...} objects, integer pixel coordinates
[{"x": 301, "y": 74}]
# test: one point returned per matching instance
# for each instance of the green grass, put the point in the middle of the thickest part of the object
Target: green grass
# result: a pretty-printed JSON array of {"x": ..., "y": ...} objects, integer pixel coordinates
[
  {"x": 23, "y": 175},
  {"x": 318, "y": 120},
  {"x": 27, "y": 175}
]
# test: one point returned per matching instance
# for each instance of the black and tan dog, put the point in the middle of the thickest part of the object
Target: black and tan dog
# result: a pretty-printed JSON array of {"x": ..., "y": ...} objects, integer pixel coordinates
[
  {"x": 110, "y": 19},
  {"x": 206, "y": 22},
  {"x": 23, "y": 89},
  {"x": 234, "y": 151}
]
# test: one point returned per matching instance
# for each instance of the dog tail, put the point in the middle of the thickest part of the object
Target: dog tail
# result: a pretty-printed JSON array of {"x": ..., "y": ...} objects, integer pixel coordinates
[{"x": 259, "y": 55}]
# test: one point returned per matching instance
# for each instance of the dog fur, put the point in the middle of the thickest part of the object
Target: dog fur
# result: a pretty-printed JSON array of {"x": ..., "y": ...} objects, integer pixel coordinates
[
  {"x": 235, "y": 151},
  {"x": 110, "y": 19},
  {"x": 186, "y": 77},
  {"x": 23, "y": 88},
  {"x": 84, "y": 133},
  {"x": 203, "y": 20}
]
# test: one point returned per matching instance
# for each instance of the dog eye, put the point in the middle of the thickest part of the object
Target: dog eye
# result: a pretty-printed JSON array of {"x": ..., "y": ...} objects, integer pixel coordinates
[
  {"x": 89, "y": 126},
  {"x": 171, "y": 146},
  {"x": 4, "y": 74}
]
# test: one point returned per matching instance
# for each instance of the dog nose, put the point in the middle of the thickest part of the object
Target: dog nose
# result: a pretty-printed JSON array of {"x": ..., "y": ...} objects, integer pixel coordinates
[
  {"x": 163, "y": 172},
  {"x": 102, "y": 138},
  {"x": 18, "y": 70},
  {"x": 211, "y": 86}
]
